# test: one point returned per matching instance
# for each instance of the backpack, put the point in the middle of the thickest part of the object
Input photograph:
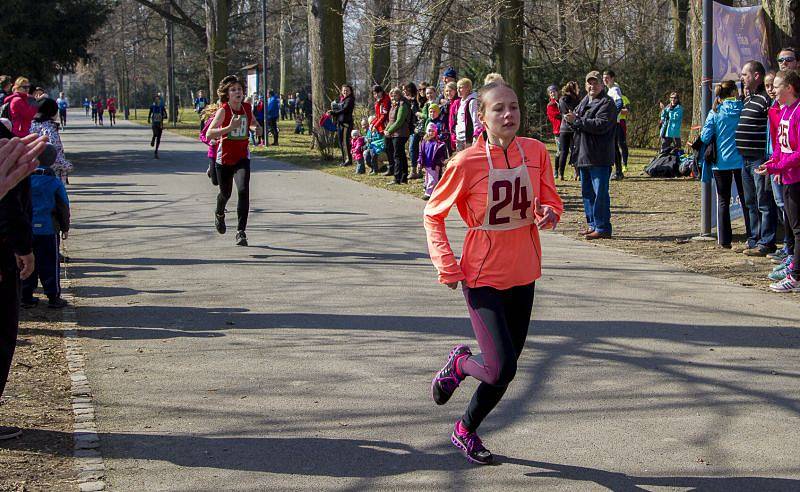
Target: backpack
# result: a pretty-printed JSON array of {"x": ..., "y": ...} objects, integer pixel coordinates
[{"x": 664, "y": 165}]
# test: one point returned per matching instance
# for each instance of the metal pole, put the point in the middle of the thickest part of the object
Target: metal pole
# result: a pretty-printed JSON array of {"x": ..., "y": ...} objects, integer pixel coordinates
[
  {"x": 264, "y": 85},
  {"x": 706, "y": 192},
  {"x": 171, "y": 73}
]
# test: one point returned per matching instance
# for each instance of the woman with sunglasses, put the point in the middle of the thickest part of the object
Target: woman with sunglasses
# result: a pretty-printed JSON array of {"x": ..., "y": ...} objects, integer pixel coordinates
[{"x": 21, "y": 107}]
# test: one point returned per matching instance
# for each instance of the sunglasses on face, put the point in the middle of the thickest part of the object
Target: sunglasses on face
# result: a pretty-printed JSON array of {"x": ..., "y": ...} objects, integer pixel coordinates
[
  {"x": 786, "y": 59},
  {"x": 25, "y": 87}
]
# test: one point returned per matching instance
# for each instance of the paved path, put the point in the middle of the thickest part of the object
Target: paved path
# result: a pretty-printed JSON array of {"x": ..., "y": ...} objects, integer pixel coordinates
[{"x": 303, "y": 361}]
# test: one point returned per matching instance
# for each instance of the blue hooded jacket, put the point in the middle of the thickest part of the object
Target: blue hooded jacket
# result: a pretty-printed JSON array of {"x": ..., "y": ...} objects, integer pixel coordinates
[
  {"x": 50, "y": 202},
  {"x": 722, "y": 124},
  {"x": 273, "y": 106}
]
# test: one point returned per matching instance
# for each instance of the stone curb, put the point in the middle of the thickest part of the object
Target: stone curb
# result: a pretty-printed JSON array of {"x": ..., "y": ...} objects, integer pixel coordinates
[{"x": 89, "y": 464}]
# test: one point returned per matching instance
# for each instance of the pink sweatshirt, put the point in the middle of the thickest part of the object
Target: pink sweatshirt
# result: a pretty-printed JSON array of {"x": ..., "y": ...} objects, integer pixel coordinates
[
  {"x": 452, "y": 117},
  {"x": 784, "y": 164},
  {"x": 22, "y": 113},
  {"x": 212, "y": 148}
]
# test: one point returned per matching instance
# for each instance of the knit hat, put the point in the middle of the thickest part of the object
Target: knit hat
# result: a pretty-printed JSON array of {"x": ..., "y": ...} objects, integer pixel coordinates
[
  {"x": 433, "y": 106},
  {"x": 432, "y": 127},
  {"x": 355, "y": 134},
  {"x": 450, "y": 72},
  {"x": 553, "y": 87}
]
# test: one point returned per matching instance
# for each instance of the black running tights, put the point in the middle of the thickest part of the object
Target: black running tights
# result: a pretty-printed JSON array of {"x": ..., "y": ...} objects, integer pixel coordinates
[{"x": 226, "y": 176}]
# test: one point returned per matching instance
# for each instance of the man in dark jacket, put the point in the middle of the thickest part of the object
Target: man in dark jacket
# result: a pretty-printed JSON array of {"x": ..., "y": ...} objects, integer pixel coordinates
[
  {"x": 16, "y": 255},
  {"x": 594, "y": 123}
]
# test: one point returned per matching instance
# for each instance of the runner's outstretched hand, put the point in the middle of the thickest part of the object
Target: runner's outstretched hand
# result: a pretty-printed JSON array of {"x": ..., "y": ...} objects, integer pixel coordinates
[{"x": 546, "y": 218}]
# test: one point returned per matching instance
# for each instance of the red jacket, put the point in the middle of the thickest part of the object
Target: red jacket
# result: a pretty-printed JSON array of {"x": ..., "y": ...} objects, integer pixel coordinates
[
  {"x": 22, "y": 113},
  {"x": 554, "y": 115},
  {"x": 111, "y": 104},
  {"x": 382, "y": 113}
]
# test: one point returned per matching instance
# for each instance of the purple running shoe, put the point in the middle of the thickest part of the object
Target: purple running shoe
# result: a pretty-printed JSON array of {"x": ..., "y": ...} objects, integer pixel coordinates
[
  {"x": 472, "y": 446},
  {"x": 446, "y": 381}
]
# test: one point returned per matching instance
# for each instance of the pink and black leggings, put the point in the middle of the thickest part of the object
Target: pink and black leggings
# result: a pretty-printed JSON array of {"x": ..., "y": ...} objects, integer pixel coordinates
[{"x": 500, "y": 319}]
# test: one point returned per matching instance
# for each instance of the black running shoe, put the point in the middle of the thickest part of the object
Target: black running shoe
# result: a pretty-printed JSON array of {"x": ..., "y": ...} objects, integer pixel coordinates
[
  {"x": 57, "y": 303},
  {"x": 472, "y": 446},
  {"x": 7, "y": 432},
  {"x": 446, "y": 381},
  {"x": 29, "y": 303},
  {"x": 219, "y": 223},
  {"x": 241, "y": 238}
]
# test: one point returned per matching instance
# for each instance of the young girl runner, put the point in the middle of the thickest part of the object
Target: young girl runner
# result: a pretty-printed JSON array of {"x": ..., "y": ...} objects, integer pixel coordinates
[
  {"x": 785, "y": 162},
  {"x": 156, "y": 117},
  {"x": 100, "y": 109},
  {"x": 230, "y": 127},
  {"x": 111, "y": 104},
  {"x": 504, "y": 189}
]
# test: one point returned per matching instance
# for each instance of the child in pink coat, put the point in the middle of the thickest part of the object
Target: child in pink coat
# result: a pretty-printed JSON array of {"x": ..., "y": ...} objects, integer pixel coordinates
[{"x": 357, "y": 151}]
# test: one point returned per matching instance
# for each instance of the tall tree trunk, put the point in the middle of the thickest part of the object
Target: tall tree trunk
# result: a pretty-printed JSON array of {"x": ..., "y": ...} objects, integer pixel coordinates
[
  {"x": 217, "y": 23},
  {"x": 561, "y": 30},
  {"x": 326, "y": 45},
  {"x": 508, "y": 51},
  {"x": 436, "y": 57},
  {"x": 783, "y": 24},
  {"x": 678, "y": 12},
  {"x": 380, "y": 50},
  {"x": 286, "y": 52},
  {"x": 401, "y": 52}
]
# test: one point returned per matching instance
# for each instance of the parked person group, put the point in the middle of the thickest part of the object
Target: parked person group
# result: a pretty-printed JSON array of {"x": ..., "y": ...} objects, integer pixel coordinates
[{"x": 34, "y": 211}]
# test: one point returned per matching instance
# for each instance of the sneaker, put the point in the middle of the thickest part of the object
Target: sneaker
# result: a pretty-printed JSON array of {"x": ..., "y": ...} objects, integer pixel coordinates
[
  {"x": 778, "y": 257},
  {"x": 57, "y": 303},
  {"x": 779, "y": 274},
  {"x": 446, "y": 381},
  {"x": 219, "y": 223},
  {"x": 789, "y": 284},
  {"x": 29, "y": 303},
  {"x": 426, "y": 197},
  {"x": 241, "y": 238},
  {"x": 8, "y": 432},
  {"x": 471, "y": 445}
]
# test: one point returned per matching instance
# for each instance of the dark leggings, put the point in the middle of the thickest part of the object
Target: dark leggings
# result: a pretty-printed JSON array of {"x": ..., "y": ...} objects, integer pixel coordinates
[
  {"x": 620, "y": 148},
  {"x": 791, "y": 203},
  {"x": 112, "y": 117},
  {"x": 157, "y": 130},
  {"x": 565, "y": 146},
  {"x": 724, "y": 180},
  {"x": 398, "y": 161},
  {"x": 62, "y": 116},
  {"x": 9, "y": 314},
  {"x": 500, "y": 319},
  {"x": 226, "y": 176},
  {"x": 345, "y": 145}
]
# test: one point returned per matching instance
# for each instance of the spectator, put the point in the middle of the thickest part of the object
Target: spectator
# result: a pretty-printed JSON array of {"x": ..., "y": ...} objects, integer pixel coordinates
[
  {"x": 554, "y": 116},
  {"x": 751, "y": 141},
  {"x": 5, "y": 87},
  {"x": 344, "y": 122},
  {"x": 594, "y": 122},
  {"x": 448, "y": 76},
  {"x": 450, "y": 111},
  {"x": 200, "y": 102},
  {"x": 273, "y": 113},
  {"x": 290, "y": 103},
  {"x": 50, "y": 216},
  {"x": 467, "y": 123},
  {"x": 382, "y": 106},
  {"x": 620, "y": 139},
  {"x": 773, "y": 120},
  {"x": 566, "y": 104},
  {"x": 374, "y": 146},
  {"x": 493, "y": 77},
  {"x": 21, "y": 107},
  {"x": 357, "y": 150},
  {"x": 412, "y": 97},
  {"x": 787, "y": 59},
  {"x": 16, "y": 254},
  {"x": 671, "y": 120},
  {"x": 785, "y": 162},
  {"x": 432, "y": 155},
  {"x": 258, "y": 114},
  {"x": 720, "y": 129},
  {"x": 44, "y": 125},
  {"x": 397, "y": 133}
]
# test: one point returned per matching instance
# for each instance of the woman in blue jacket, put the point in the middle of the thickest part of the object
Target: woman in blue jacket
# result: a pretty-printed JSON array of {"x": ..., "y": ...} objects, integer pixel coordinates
[
  {"x": 720, "y": 126},
  {"x": 671, "y": 119}
]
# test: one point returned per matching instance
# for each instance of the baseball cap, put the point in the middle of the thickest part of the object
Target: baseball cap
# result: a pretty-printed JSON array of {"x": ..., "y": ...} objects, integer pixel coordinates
[{"x": 594, "y": 74}]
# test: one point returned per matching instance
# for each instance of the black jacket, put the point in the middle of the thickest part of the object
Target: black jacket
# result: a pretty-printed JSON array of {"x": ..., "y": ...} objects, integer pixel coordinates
[
  {"x": 595, "y": 130},
  {"x": 567, "y": 103},
  {"x": 15, "y": 221},
  {"x": 345, "y": 114}
]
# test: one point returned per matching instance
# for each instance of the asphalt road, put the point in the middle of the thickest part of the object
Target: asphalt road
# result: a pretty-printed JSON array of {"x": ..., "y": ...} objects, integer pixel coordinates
[{"x": 304, "y": 361}]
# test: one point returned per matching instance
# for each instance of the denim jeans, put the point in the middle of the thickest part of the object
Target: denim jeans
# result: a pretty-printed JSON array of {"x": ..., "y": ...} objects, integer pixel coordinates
[
  {"x": 413, "y": 149},
  {"x": 760, "y": 206},
  {"x": 596, "y": 200}
]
